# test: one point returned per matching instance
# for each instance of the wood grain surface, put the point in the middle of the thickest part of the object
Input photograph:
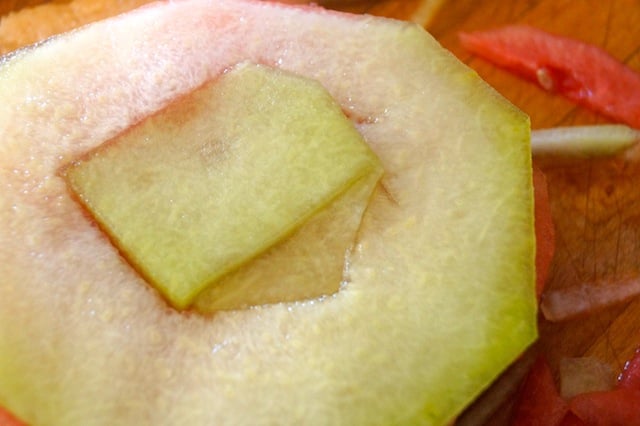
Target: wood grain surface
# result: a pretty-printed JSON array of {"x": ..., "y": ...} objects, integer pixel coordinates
[{"x": 595, "y": 203}]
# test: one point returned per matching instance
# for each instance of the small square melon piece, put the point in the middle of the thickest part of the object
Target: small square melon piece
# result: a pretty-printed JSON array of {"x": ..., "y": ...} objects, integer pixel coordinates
[{"x": 220, "y": 176}]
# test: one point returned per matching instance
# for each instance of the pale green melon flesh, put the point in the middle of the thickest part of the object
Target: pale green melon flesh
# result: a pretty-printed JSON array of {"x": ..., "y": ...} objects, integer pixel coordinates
[
  {"x": 440, "y": 294},
  {"x": 200, "y": 189},
  {"x": 310, "y": 263}
]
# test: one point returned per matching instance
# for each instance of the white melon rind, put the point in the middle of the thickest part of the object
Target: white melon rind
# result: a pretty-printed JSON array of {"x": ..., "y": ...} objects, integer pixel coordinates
[{"x": 440, "y": 297}]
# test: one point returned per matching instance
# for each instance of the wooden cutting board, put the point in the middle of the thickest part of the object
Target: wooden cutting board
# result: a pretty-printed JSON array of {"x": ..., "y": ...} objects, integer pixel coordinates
[{"x": 595, "y": 203}]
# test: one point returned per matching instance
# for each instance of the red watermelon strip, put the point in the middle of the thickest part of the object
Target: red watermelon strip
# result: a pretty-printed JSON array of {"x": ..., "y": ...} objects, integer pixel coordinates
[
  {"x": 584, "y": 73},
  {"x": 612, "y": 408},
  {"x": 539, "y": 402},
  {"x": 620, "y": 406}
]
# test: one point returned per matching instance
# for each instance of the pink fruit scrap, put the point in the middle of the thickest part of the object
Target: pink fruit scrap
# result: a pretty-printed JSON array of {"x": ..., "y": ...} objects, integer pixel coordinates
[
  {"x": 630, "y": 376},
  {"x": 540, "y": 403},
  {"x": 582, "y": 72}
]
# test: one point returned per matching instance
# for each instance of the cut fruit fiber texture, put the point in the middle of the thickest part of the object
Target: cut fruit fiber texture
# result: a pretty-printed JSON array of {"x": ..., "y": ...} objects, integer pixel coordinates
[
  {"x": 208, "y": 185},
  {"x": 445, "y": 256}
]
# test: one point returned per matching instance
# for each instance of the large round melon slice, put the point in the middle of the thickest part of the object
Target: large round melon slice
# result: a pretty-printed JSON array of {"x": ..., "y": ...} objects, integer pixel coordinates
[{"x": 440, "y": 295}]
